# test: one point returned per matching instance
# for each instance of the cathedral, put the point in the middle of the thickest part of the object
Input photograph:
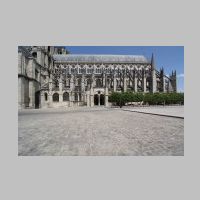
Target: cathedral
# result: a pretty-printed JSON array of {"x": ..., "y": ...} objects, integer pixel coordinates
[{"x": 49, "y": 77}]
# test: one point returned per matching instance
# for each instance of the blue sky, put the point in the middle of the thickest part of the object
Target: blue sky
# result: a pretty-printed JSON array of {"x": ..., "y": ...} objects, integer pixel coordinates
[{"x": 169, "y": 57}]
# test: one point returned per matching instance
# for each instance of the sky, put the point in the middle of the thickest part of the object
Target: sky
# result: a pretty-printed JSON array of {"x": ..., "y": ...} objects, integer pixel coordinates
[{"x": 168, "y": 57}]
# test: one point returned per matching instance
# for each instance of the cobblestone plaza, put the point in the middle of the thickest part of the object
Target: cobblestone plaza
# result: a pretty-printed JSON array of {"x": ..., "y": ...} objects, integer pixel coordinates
[
  {"x": 73, "y": 114},
  {"x": 98, "y": 132}
]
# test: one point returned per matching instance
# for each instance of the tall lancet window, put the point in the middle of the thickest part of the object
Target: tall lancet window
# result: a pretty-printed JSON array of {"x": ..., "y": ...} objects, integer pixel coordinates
[{"x": 98, "y": 82}]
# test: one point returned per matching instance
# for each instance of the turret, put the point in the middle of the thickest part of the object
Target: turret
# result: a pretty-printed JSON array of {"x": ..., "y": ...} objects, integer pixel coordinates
[
  {"x": 161, "y": 71},
  {"x": 173, "y": 81},
  {"x": 60, "y": 50}
]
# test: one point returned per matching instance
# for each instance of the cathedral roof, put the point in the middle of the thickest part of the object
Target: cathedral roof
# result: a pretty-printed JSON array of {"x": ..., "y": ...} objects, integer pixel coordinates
[{"x": 100, "y": 58}]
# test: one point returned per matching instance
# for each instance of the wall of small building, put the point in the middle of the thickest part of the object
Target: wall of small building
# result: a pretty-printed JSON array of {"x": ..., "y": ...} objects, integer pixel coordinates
[{"x": 28, "y": 83}]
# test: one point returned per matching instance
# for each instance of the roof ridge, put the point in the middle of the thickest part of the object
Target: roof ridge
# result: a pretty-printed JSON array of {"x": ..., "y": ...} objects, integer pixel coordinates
[
  {"x": 100, "y": 58},
  {"x": 99, "y": 55}
]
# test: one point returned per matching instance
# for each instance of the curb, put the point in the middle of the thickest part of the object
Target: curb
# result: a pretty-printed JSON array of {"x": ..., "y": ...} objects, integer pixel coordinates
[{"x": 155, "y": 114}]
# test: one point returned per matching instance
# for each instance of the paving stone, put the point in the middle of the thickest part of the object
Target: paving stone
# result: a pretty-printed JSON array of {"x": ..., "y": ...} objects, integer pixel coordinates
[{"x": 98, "y": 132}]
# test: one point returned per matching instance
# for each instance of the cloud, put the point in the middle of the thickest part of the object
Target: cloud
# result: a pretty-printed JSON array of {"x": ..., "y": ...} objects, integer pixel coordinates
[
  {"x": 180, "y": 75},
  {"x": 180, "y": 89}
]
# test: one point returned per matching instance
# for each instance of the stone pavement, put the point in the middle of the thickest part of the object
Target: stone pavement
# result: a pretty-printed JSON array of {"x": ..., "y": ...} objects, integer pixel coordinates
[
  {"x": 98, "y": 131},
  {"x": 173, "y": 111}
]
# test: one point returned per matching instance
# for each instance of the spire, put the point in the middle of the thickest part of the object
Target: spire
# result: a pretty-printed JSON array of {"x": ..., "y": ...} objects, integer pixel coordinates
[
  {"x": 162, "y": 71},
  {"x": 152, "y": 62}
]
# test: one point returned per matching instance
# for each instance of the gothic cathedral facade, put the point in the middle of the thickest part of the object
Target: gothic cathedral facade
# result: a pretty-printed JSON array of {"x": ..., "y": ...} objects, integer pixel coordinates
[{"x": 50, "y": 77}]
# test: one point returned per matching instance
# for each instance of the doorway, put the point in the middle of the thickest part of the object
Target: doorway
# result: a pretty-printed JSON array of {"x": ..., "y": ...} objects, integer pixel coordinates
[
  {"x": 101, "y": 99},
  {"x": 37, "y": 99},
  {"x": 96, "y": 99}
]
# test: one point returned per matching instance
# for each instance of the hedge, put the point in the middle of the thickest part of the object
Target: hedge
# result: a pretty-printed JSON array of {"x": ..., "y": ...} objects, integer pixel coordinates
[{"x": 147, "y": 98}]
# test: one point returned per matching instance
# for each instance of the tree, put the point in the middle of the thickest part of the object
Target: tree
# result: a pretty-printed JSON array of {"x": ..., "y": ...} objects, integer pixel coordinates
[
  {"x": 115, "y": 98},
  {"x": 121, "y": 99}
]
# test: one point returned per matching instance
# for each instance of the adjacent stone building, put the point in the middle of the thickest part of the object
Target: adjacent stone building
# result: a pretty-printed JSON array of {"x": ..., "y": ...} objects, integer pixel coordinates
[{"x": 49, "y": 77}]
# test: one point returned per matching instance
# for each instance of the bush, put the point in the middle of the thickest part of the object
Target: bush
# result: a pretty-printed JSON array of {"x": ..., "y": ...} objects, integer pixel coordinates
[
  {"x": 163, "y": 98},
  {"x": 115, "y": 98},
  {"x": 148, "y": 98},
  {"x": 139, "y": 97},
  {"x": 125, "y": 97}
]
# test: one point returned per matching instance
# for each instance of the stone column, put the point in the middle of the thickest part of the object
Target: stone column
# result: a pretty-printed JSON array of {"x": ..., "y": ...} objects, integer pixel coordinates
[
  {"x": 46, "y": 60},
  {"x": 144, "y": 82},
  {"x": 83, "y": 83},
  {"x": 60, "y": 97},
  {"x": 31, "y": 94},
  {"x": 50, "y": 99},
  {"x": 19, "y": 63},
  {"x": 20, "y": 93},
  {"x": 30, "y": 69},
  {"x": 72, "y": 83},
  {"x": 154, "y": 83},
  {"x": 60, "y": 90},
  {"x": 124, "y": 84},
  {"x": 60, "y": 85},
  {"x": 163, "y": 79},
  {"x": 92, "y": 79},
  {"x": 42, "y": 99},
  {"x": 72, "y": 90},
  {"x": 70, "y": 99},
  {"x": 50, "y": 83},
  {"x": 88, "y": 98},
  {"x": 104, "y": 80},
  {"x": 78, "y": 98},
  {"x": 98, "y": 99},
  {"x": 83, "y": 88},
  {"x": 91, "y": 97},
  {"x": 114, "y": 83},
  {"x": 85, "y": 97},
  {"x": 106, "y": 97},
  {"x": 39, "y": 57},
  {"x": 135, "y": 84}
]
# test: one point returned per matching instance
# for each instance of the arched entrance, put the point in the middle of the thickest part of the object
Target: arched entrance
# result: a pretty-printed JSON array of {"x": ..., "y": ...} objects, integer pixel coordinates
[
  {"x": 101, "y": 99},
  {"x": 96, "y": 99},
  {"x": 55, "y": 97},
  {"x": 65, "y": 96}
]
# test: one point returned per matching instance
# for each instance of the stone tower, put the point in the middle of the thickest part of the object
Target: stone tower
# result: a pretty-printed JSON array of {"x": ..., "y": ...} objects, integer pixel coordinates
[{"x": 173, "y": 81}]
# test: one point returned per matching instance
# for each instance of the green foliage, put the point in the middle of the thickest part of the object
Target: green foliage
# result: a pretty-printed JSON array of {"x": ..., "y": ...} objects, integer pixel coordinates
[
  {"x": 125, "y": 97},
  {"x": 163, "y": 98},
  {"x": 148, "y": 98},
  {"x": 138, "y": 97},
  {"x": 115, "y": 97}
]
